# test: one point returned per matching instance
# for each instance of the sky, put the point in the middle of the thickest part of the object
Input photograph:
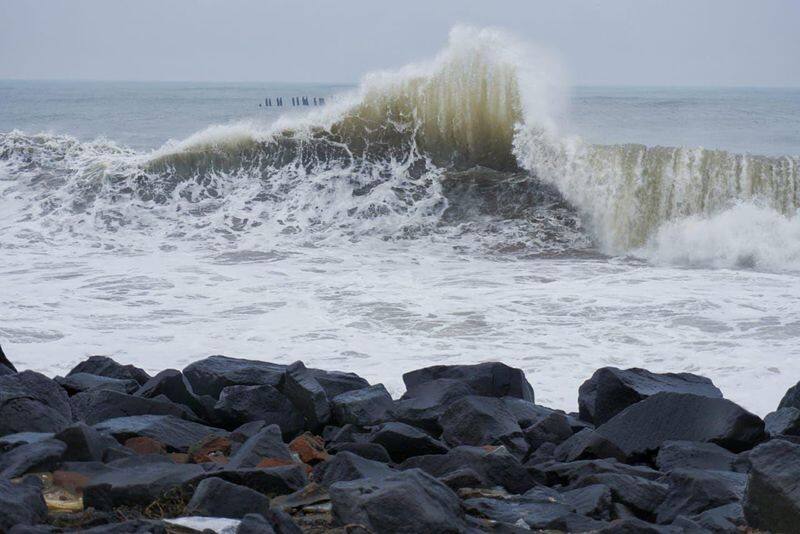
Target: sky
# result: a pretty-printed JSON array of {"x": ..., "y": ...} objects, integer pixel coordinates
[{"x": 608, "y": 42}]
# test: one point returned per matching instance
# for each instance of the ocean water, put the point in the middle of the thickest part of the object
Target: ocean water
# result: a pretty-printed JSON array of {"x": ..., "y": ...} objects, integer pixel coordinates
[{"x": 462, "y": 209}]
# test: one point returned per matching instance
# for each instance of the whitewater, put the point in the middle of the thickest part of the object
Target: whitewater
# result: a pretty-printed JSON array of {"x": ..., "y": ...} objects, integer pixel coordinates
[{"x": 439, "y": 213}]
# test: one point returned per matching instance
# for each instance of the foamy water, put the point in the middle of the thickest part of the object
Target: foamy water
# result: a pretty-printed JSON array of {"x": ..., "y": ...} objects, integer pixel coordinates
[{"x": 438, "y": 214}]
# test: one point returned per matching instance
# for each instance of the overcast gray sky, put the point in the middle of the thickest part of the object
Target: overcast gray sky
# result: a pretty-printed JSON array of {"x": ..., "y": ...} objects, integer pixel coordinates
[{"x": 620, "y": 42}]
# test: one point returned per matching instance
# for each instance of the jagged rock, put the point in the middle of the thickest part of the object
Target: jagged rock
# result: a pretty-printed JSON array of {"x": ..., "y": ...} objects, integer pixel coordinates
[
  {"x": 238, "y": 405},
  {"x": 347, "y": 434},
  {"x": 31, "y": 402},
  {"x": 304, "y": 391},
  {"x": 20, "y": 504},
  {"x": 214, "y": 497},
  {"x": 176, "y": 434},
  {"x": 266, "y": 443},
  {"x": 611, "y": 390},
  {"x": 475, "y": 420},
  {"x": 493, "y": 468},
  {"x": 95, "y": 406},
  {"x": 348, "y": 466},
  {"x": 792, "y": 398},
  {"x": 720, "y": 520},
  {"x": 137, "y": 485},
  {"x": 80, "y": 382},
  {"x": 10, "y": 441},
  {"x": 424, "y": 403},
  {"x": 642, "y": 428},
  {"x": 370, "y": 451},
  {"x": 254, "y": 524},
  {"x": 772, "y": 496},
  {"x": 553, "y": 428},
  {"x": 362, "y": 407},
  {"x": 174, "y": 386},
  {"x": 692, "y": 491},
  {"x": 594, "y": 501},
  {"x": 532, "y": 513},
  {"x": 411, "y": 502},
  {"x": 783, "y": 422},
  {"x": 632, "y": 525},
  {"x": 247, "y": 431},
  {"x": 6, "y": 363},
  {"x": 105, "y": 366},
  {"x": 39, "y": 456},
  {"x": 270, "y": 481},
  {"x": 491, "y": 379},
  {"x": 586, "y": 445},
  {"x": 402, "y": 441},
  {"x": 692, "y": 455},
  {"x": 211, "y": 375},
  {"x": 570, "y": 472},
  {"x": 85, "y": 444},
  {"x": 337, "y": 382},
  {"x": 526, "y": 412},
  {"x": 640, "y": 494}
]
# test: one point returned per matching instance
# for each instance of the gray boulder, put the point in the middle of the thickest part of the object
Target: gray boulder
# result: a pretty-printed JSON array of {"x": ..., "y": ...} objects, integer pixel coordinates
[
  {"x": 214, "y": 497},
  {"x": 31, "y": 402},
  {"x": 266, "y": 443},
  {"x": 693, "y": 455},
  {"x": 105, "y": 366},
  {"x": 477, "y": 421},
  {"x": 783, "y": 422},
  {"x": 97, "y": 405},
  {"x": 20, "y": 504},
  {"x": 402, "y": 441},
  {"x": 491, "y": 379},
  {"x": 424, "y": 403},
  {"x": 80, "y": 382},
  {"x": 611, "y": 390},
  {"x": 39, "y": 456},
  {"x": 211, "y": 375},
  {"x": 362, "y": 407},
  {"x": 693, "y": 491},
  {"x": 306, "y": 393},
  {"x": 176, "y": 434},
  {"x": 238, "y": 405},
  {"x": 348, "y": 466},
  {"x": 772, "y": 496}
]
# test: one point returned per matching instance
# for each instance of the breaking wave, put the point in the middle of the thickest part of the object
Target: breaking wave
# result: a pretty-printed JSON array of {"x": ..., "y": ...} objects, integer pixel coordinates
[{"x": 466, "y": 144}]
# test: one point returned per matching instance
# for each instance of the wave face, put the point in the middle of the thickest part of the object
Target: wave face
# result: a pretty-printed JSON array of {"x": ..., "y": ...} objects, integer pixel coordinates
[{"x": 466, "y": 144}]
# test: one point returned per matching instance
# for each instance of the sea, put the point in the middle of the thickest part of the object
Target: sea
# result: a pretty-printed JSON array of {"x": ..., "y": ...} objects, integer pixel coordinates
[{"x": 466, "y": 208}]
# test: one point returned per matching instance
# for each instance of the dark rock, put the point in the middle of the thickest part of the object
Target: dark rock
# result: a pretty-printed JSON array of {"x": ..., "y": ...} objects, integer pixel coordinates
[
  {"x": 586, "y": 445},
  {"x": 31, "y": 402},
  {"x": 85, "y": 444},
  {"x": 270, "y": 481},
  {"x": 402, "y": 441},
  {"x": 785, "y": 421},
  {"x": 95, "y": 406},
  {"x": 238, "y": 405},
  {"x": 772, "y": 497},
  {"x": 280, "y": 522},
  {"x": 214, "y": 497},
  {"x": 611, "y": 390},
  {"x": 310, "y": 495},
  {"x": 491, "y": 379},
  {"x": 211, "y": 375},
  {"x": 348, "y": 466},
  {"x": 173, "y": 385},
  {"x": 105, "y": 366},
  {"x": 463, "y": 478},
  {"x": 370, "y": 451},
  {"x": 553, "y": 428},
  {"x": 176, "y": 434},
  {"x": 533, "y": 513},
  {"x": 639, "y": 494},
  {"x": 20, "y": 504},
  {"x": 594, "y": 501},
  {"x": 336, "y": 382},
  {"x": 474, "y": 420},
  {"x": 138, "y": 485},
  {"x": 410, "y": 502},
  {"x": 362, "y": 407},
  {"x": 11, "y": 441},
  {"x": 570, "y": 472},
  {"x": 266, "y": 443},
  {"x": 307, "y": 395},
  {"x": 494, "y": 468},
  {"x": 633, "y": 525},
  {"x": 80, "y": 382},
  {"x": 347, "y": 434},
  {"x": 642, "y": 428},
  {"x": 691, "y": 455},
  {"x": 526, "y": 413},
  {"x": 423, "y": 404},
  {"x": 5, "y": 362},
  {"x": 721, "y": 520},
  {"x": 692, "y": 491},
  {"x": 792, "y": 398},
  {"x": 254, "y": 524},
  {"x": 247, "y": 431},
  {"x": 39, "y": 456}
]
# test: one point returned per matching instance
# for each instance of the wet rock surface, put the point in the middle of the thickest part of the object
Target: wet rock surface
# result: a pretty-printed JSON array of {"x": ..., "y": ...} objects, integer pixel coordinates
[{"x": 289, "y": 449}]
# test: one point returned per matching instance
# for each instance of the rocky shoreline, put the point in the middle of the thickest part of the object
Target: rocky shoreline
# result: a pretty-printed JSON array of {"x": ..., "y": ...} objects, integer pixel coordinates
[{"x": 258, "y": 447}]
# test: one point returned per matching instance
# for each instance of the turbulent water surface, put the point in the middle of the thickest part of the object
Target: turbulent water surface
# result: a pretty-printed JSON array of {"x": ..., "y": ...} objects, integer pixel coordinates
[{"x": 448, "y": 212}]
